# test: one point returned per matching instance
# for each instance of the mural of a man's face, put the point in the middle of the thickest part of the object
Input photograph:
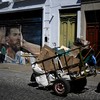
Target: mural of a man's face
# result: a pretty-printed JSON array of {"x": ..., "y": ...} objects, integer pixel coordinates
[{"x": 14, "y": 38}]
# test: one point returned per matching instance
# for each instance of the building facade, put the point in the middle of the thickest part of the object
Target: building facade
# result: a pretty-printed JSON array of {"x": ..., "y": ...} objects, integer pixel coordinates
[
  {"x": 90, "y": 24},
  {"x": 90, "y": 30},
  {"x": 51, "y": 22},
  {"x": 52, "y": 17}
]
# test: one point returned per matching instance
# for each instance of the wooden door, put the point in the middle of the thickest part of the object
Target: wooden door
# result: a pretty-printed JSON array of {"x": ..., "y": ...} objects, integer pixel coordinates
[
  {"x": 92, "y": 35},
  {"x": 67, "y": 29}
]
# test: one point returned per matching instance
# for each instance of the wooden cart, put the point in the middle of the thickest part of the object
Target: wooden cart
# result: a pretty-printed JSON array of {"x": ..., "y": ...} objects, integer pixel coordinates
[{"x": 67, "y": 72}]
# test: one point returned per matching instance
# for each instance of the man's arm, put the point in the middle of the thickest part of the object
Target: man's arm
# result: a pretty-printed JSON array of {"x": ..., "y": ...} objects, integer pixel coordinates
[{"x": 32, "y": 48}]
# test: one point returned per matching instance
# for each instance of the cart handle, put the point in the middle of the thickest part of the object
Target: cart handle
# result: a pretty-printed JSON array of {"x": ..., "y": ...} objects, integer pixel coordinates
[{"x": 58, "y": 55}]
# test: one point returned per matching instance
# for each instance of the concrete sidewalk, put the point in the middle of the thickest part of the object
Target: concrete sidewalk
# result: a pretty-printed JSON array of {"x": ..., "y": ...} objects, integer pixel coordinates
[
  {"x": 16, "y": 67},
  {"x": 28, "y": 70}
]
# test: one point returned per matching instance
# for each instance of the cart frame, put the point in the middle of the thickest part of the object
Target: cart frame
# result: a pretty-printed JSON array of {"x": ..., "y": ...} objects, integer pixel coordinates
[{"x": 63, "y": 85}]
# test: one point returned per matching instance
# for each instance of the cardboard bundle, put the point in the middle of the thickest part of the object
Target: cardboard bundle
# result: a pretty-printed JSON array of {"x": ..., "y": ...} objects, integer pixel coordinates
[
  {"x": 46, "y": 53},
  {"x": 52, "y": 64}
]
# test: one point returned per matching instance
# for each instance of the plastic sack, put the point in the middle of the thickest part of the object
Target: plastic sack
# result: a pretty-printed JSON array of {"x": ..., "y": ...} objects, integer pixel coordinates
[
  {"x": 41, "y": 78},
  {"x": 92, "y": 61}
]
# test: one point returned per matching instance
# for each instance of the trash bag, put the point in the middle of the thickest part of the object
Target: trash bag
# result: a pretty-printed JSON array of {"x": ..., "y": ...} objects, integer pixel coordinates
[
  {"x": 92, "y": 61},
  {"x": 81, "y": 42},
  {"x": 78, "y": 42},
  {"x": 41, "y": 78}
]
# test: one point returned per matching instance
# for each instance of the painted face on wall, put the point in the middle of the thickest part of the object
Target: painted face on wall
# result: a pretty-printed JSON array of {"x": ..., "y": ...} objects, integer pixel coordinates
[{"x": 14, "y": 38}]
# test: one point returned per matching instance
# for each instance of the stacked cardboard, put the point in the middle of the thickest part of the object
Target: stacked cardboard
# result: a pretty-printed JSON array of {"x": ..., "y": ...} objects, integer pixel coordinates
[
  {"x": 46, "y": 53},
  {"x": 49, "y": 65}
]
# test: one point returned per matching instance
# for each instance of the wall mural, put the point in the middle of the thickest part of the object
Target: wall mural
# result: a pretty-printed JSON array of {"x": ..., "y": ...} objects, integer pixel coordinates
[{"x": 14, "y": 48}]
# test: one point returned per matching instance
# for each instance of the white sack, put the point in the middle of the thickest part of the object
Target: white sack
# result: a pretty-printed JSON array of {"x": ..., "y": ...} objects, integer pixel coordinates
[{"x": 40, "y": 79}]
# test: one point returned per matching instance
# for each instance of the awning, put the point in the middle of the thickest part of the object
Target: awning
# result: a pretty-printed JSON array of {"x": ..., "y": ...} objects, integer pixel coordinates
[
  {"x": 4, "y": 4},
  {"x": 78, "y": 1},
  {"x": 24, "y": 3}
]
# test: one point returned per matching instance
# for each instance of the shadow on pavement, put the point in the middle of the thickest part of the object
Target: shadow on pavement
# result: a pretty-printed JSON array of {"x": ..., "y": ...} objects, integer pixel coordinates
[
  {"x": 33, "y": 84},
  {"x": 98, "y": 88}
]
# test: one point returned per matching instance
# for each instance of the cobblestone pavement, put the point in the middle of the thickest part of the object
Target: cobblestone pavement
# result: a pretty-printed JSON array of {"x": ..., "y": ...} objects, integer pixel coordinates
[{"x": 15, "y": 85}]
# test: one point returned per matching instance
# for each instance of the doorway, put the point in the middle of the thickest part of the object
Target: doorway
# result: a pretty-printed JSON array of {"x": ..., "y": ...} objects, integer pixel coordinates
[
  {"x": 93, "y": 30},
  {"x": 68, "y": 26},
  {"x": 92, "y": 35}
]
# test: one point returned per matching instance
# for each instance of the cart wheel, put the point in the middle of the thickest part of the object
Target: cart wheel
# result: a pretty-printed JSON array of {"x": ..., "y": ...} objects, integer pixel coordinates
[{"x": 61, "y": 87}]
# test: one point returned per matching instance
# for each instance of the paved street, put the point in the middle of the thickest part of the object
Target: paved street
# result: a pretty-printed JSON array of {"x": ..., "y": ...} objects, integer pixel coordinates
[{"x": 15, "y": 85}]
